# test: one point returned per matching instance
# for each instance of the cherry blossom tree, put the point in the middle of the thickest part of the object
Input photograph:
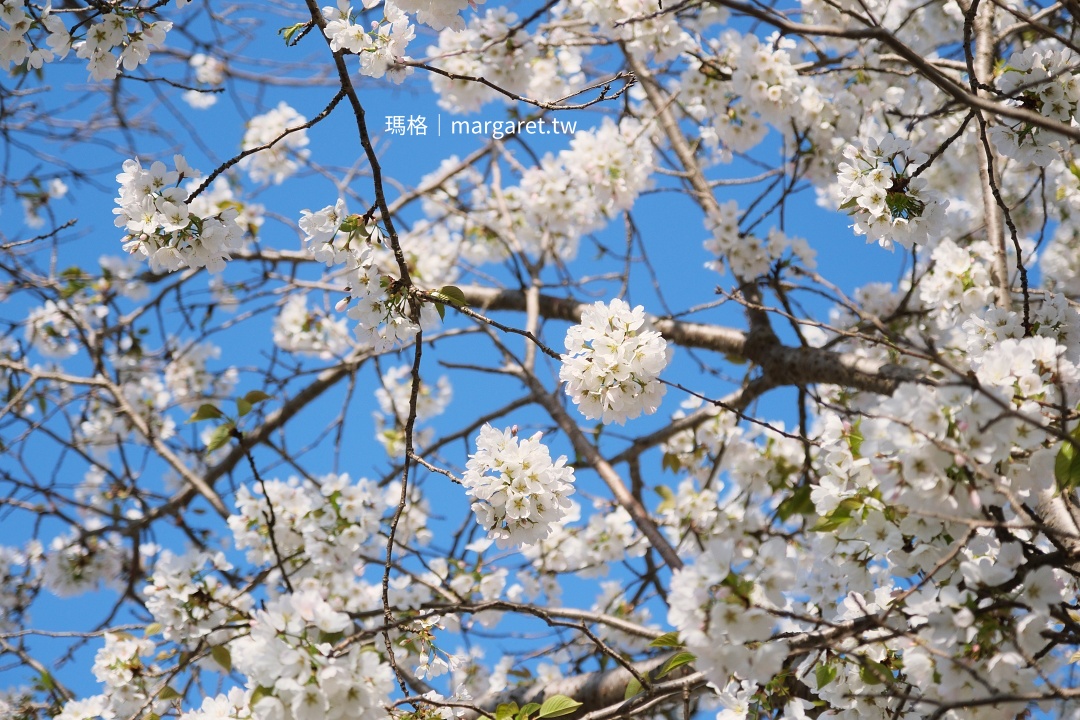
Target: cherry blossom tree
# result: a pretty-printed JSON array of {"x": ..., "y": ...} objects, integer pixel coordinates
[{"x": 617, "y": 415}]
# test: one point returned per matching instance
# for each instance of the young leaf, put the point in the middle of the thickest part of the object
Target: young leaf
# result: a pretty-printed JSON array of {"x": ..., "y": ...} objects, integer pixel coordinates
[
  {"x": 677, "y": 660},
  {"x": 453, "y": 295},
  {"x": 557, "y": 706},
  {"x": 506, "y": 711},
  {"x": 168, "y": 693},
  {"x": 873, "y": 672},
  {"x": 632, "y": 688},
  {"x": 243, "y": 407},
  {"x": 220, "y": 437},
  {"x": 527, "y": 710},
  {"x": 206, "y": 411},
  {"x": 668, "y": 639},
  {"x": 824, "y": 674},
  {"x": 256, "y": 396},
  {"x": 1067, "y": 464},
  {"x": 222, "y": 657}
]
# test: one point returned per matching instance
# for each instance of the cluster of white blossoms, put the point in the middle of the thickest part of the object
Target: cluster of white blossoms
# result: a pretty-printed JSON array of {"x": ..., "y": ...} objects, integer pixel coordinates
[
  {"x": 383, "y": 312},
  {"x": 393, "y": 398},
  {"x": 190, "y": 602},
  {"x": 380, "y": 306},
  {"x": 35, "y": 201},
  {"x": 888, "y": 203},
  {"x": 334, "y": 237},
  {"x": 381, "y": 47},
  {"x": 495, "y": 47},
  {"x": 44, "y": 38},
  {"x": 112, "y": 32},
  {"x": 289, "y": 655},
  {"x": 53, "y": 328},
  {"x": 747, "y": 255},
  {"x": 564, "y": 197},
  {"x": 279, "y": 161},
  {"x": 1042, "y": 80},
  {"x": 636, "y": 24},
  {"x": 73, "y": 566},
  {"x": 191, "y": 382},
  {"x": 720, "y": 605},
  {"x": 439, "y": 14},
  {"x": 613, "y": 362},
  {"x": 163, "y": 227},
  {"x": 520, "y": 493},
  {"x": 208, "y": 71},
  {"x": 309, "y": 330},
  {"x": 609, "y": 537},
  {"x": 221, "y": 196},
  {"x": 17, "y": 47}
]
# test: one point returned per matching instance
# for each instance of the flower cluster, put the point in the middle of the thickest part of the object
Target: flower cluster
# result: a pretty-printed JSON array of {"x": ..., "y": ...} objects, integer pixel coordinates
[
  {"x": 439, "y": 14},
  {"x": 613, "y": 363},
  {"x": 722, "y": 613},
  {"x": 393, "y": 398},
  {"x": 289, "y": 655},
  {"x": 383, "y": 310},
  {"x": 112, "y": 32},
  {"x": 381, "y": 48},
  {"x": 519, "y": 491},
  {"x": 334, "y": 237},
  {"x": 76, "y": 566},
  {"x": 564, "y": 197},
  {"x": 332, "y": 521},
  {"x": 189, "y": 601},
  {"x": 1041, "y": 80},
  {"x": 880, "y": 190},
  {"x": 280, "y": 130},
  {"x": 129, "y": 683},
  {"x": 305, "y": 330},
  {"x": 208, "y": 71},
  {"x": 15, "y": 45},
  {"x": 473, "y": 52},
  {"x": 747, "y": 255},
  {"x": 38, "y": 199},
  {"x": 191, "y": 382},
  {"x": 163, "y": 227}
]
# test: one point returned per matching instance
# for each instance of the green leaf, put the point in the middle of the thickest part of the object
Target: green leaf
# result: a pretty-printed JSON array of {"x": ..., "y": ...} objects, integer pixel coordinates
[
  {"x": 632, "y": 688},
  {"x": 557, "y": 706},
  {"x": 668, "y": 639},
  {"x": 824, "y": 674},
  {"x": 222, "y": 657},
  {"x": 168, "y": 693},
  {"x": 1067, "y": 464},
  {"x": 259, "y": 693},
  {"x": 290, "y": 32},
  {"x": 206, "y": 411},
  {"x": 441, "y": 309},
  {"x": 220, "y": 437},
  {"x": 527, "y": 710},
  {"x": 677, "y": 660},
  {"x": 873, "y": 672},
  {"x": 243, "y": 407},
  {"x": 669, "y": 498},
  {"x": 256, "y": 396},
  {"x": 453, "y": 295},
  {"x": 45, "y": 681},
  {"x": 506, "y": 711},
  {"x": 332, "y": 638},
  {"x": 798, "y": 503},
  {"x": 152, "y": 629}
]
